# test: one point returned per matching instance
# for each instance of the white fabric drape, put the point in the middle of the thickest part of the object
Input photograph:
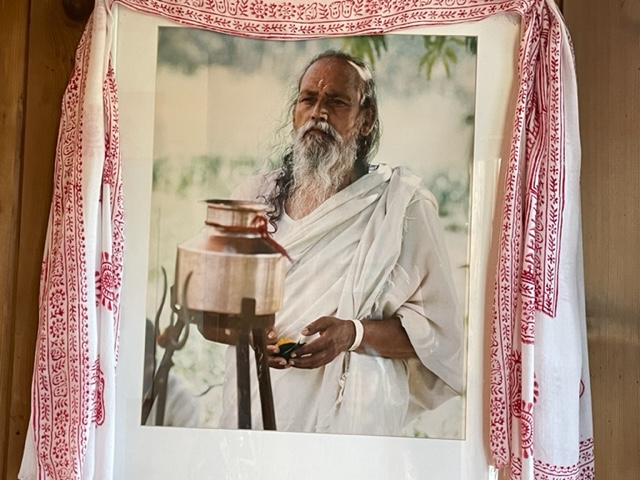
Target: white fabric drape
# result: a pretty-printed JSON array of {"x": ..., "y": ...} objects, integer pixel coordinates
[
  {"x": 550, "y": 398},
  {"x": 538, "y": 294},
  {"x": 71, "y": 430}
]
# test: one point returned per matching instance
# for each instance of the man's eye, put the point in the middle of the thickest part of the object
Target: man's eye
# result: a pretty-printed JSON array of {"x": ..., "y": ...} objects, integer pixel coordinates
[
  {"x": 306, "y": 100},
  {"x": 338, "y": 103}
]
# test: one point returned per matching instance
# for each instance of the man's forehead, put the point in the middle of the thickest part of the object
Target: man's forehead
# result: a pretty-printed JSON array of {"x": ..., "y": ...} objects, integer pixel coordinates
[{"x": 333, "y": 71}]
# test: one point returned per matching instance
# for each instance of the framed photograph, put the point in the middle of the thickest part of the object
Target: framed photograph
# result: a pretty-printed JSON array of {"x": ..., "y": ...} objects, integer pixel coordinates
[{"x": 204, "y": 114}]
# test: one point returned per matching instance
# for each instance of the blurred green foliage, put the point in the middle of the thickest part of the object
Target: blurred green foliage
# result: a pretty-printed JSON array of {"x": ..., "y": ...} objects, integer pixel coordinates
[
  {"x": 438, "y": 49},
  {"x": 188, "y": 49},
  {"x": 366, "y": 48},
  {"x": 202, "y": 176}
]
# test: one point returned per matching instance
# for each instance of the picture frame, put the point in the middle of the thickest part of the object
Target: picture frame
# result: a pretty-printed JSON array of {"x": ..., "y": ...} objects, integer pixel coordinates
[
  {"x": 160, "y": 452},
  {"x": 222, "y": 119}
]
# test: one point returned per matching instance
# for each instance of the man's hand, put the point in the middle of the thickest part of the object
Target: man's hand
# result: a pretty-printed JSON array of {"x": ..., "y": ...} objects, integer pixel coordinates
[
  {"x": 275, "y": 361},
  {"x": 336, "y": 336},
  {"x": 385, "y": 338}
]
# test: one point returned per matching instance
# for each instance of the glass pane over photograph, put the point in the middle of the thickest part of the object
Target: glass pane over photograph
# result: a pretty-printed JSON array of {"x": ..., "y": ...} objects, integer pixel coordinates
[{"x": 229, "y": 112}]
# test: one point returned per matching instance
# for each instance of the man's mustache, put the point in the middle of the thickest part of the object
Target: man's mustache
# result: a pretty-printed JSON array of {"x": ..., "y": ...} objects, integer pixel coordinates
[{"x": 321, "y": 126}]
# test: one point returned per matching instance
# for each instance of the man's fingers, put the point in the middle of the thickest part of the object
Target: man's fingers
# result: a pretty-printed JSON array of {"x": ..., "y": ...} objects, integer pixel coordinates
[
  {"x": 314, "y": 346},
  {"x": 270, "y": 335},
  {"x": 317, "y": 326},
  {"x": 310, "y": 361},
  {"x": 277, "y": 362},
  {"x": 335, "y": 337}
]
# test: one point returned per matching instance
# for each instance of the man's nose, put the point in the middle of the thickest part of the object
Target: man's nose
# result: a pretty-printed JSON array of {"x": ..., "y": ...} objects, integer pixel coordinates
[{"x": 319, "y": 111}]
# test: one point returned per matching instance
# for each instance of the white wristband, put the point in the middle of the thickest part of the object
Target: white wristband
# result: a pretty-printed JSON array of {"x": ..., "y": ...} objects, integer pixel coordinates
[{"x": 359, "y": 334}]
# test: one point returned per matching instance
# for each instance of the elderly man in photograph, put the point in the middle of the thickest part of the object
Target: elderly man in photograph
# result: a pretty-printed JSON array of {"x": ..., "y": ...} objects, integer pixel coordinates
[{"x": 370, "y": 291}]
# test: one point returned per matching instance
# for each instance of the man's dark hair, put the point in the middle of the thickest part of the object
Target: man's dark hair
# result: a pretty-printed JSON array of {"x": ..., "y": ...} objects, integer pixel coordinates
[{"x": 366, "y": 146}]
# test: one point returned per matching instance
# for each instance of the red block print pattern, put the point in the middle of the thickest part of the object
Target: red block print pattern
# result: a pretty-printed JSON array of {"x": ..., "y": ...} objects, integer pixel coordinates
[{"x": 68, "y": 388}]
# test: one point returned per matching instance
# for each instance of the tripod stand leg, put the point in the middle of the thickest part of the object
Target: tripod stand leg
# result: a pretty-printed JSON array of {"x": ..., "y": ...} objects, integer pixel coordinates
[
  {"x": 243, "y": 381},
  {"x": 264, "y": 380}
]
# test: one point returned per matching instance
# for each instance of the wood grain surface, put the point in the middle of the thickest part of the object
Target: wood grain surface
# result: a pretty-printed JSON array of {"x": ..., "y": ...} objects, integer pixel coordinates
[
  {"x": 38, "y": 43},
  {"x": 607, "y": 45},
  {"x": 14, "y": 20}
]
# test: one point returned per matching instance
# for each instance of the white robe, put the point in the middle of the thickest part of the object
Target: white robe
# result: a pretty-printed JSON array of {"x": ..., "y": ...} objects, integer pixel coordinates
[
  {"x": 374, "y": 250},
  {"x": 183, "y": 407}
]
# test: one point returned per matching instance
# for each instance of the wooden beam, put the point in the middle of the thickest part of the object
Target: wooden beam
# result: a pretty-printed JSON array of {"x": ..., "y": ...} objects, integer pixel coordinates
[
  {"x": 606, "y": 38},
  {"x": 14, "y": 31},
  {"x": 53, "y": 38}
]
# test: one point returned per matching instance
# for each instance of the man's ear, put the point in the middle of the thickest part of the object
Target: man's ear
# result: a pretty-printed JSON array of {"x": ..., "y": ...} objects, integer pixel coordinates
[{"x": 368, "y": 121}]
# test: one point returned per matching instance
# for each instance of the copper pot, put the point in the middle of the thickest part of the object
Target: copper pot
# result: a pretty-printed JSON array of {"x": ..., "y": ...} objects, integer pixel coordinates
[{"x": 230, "y": 259}]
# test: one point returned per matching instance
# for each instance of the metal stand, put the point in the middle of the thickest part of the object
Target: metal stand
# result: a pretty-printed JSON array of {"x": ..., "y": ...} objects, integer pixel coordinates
[
  {"x": 174, "y": 338},
  {"x": 246, "y": 325}
]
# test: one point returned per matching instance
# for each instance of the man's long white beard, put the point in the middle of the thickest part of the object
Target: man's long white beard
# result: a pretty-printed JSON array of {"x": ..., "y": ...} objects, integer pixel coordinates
[{"x": 321, "y": 165}]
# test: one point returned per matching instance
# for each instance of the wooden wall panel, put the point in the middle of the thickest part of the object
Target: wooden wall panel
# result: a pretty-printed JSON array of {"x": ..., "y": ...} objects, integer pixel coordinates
[
  {"x": 607, "y": 45},
  {"x": 52, "y": 40},
  {"x": 14, "y": 21}
]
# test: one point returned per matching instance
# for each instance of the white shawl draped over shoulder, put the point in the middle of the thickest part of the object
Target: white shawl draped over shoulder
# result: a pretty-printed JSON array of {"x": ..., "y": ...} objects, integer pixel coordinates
[{"x": 374, "y": 250}]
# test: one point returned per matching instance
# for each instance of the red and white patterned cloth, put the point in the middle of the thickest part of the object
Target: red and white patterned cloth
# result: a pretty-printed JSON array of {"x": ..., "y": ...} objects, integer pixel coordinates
[{"x": 540, "y": 398}]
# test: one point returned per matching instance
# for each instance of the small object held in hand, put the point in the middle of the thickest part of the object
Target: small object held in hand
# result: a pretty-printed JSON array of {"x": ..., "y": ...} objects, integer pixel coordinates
[{"x": 286, "y": 346}]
